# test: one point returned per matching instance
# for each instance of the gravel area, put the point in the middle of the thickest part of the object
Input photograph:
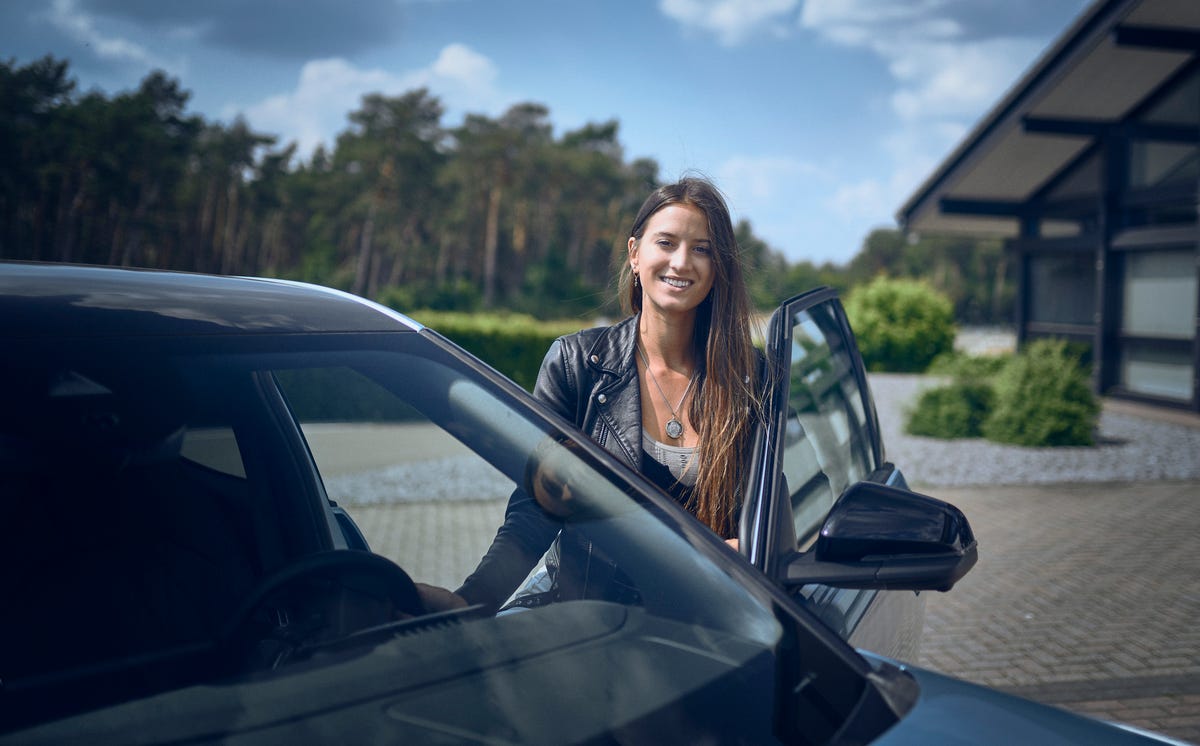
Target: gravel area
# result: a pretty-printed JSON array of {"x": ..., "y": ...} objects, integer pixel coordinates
[{"x": 1130, "y": 448}]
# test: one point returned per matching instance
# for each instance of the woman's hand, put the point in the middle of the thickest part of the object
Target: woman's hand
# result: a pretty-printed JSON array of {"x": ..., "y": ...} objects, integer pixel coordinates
[
  {"x": 733, "y": 543},
  {"x": 436, "y": 598}
]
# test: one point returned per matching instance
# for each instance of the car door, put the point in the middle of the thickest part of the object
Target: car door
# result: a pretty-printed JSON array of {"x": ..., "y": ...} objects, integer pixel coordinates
[{"x": 822, "y": 436}]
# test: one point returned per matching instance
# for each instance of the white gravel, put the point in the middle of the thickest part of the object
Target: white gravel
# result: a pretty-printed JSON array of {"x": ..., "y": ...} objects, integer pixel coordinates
[{"x": 1130, "y": 448}]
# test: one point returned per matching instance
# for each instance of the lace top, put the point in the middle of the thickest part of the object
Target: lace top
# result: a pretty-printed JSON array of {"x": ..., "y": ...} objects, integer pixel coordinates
[{"x": 680, "y": 461}]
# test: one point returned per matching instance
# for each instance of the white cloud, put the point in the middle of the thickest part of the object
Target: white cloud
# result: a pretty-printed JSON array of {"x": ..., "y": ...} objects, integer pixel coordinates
[
  {"x": 464, "y": 79},
  {"x": 949, "y": 67},
  {"x": 66, "y": 16},
  {"x": 315, "y": 112},
  {"x": 941, "y": 70},
  {"x": 732, "y": 21},
  {"x": 764, "y": 177},
  {"x": 956, "y": 80}
]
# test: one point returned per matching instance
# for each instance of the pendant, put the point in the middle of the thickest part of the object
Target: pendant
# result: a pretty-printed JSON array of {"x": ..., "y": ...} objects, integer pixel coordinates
[{"x": 674, "y": 429}]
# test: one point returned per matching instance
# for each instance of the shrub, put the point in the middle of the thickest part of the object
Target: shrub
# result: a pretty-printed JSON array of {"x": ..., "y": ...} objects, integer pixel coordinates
[
  {"x": 900, "y": 325},
  {"x": 513, "y": 344},
  {"x": 963, "y": 367},
  {"x": 1043, "y": 399},
  {"x": 954, "y": 411}
]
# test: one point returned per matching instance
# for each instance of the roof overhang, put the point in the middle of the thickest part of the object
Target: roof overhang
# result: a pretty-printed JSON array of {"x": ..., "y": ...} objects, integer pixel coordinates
[{"x": 1116, "y": 54}]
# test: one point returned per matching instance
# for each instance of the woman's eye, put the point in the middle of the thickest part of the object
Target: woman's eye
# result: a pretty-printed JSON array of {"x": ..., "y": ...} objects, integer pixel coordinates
[{"x": 703, "y": 249}]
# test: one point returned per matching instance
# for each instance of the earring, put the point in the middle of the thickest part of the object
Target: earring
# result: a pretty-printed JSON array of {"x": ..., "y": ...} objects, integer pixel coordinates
[{"x": 637, "y": 281}]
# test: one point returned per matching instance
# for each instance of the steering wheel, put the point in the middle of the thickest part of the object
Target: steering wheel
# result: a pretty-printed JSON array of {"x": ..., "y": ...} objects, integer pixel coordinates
[{"x": 317, "y": 599}]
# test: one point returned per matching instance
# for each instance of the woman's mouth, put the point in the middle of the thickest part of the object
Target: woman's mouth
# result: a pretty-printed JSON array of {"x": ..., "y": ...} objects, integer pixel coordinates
[{"x": 676, "y": 282}]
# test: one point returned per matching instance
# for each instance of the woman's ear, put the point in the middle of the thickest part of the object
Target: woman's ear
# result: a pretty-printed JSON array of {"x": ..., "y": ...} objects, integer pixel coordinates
[{"x": 633, "y": 251}]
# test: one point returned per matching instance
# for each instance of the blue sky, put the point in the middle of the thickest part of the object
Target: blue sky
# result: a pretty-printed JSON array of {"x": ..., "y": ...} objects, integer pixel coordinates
[{"x": 817, "y": 118}]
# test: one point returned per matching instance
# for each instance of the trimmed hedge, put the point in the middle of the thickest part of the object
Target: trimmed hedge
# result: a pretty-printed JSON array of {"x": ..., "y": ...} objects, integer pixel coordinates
[
  {"x": 954, "y": 411},
  {"x": 513, "y": 344},
  {"x": 900, "y": 325},
  {"x": 1043, "y": 399}
]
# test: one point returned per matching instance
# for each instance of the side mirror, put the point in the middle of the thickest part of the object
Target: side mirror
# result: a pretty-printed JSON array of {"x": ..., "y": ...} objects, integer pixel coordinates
[{"x": 887, "y": 538}]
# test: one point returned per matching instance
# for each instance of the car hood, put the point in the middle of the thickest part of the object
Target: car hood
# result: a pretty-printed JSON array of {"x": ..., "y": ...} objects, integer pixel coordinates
[{"x": 952, "y": 711}]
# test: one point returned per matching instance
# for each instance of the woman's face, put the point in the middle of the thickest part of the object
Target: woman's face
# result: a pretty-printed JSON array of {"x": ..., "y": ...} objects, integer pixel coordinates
[{"x": 674, "y": 260}]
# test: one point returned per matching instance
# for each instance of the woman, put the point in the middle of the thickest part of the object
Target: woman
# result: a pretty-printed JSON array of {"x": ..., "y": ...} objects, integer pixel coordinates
[{"x": 671, "y": 390}]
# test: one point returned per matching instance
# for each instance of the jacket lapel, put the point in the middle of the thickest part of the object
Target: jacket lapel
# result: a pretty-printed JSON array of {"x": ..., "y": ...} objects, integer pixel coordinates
[{"x": 616, "y": 395}]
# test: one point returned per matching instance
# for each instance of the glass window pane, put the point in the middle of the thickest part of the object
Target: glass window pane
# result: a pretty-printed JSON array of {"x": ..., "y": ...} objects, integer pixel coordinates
[
  {"x": 827, "y": 443},
  {"x": 1062, "y": 288},
  {"x": 1163, "y": 164},
  {"x": 1146, "y": 369},
  {"x": 1160, "y": 294},
  {"x": 421, "y": 498}
]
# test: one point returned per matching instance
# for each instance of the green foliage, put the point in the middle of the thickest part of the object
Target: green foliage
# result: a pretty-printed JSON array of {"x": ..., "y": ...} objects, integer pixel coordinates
[
  {"x": 964, "y": 367},
  {"x": 497, "y": 212},
  {"x": 901, "y": 325},
  {"x": 1043, "y": 399},
  {"x": 513, "y": 344},
  {"x": 975, "y": 274},
  {"x": 954, "y": 411},
  {"x": 452, "y": 295}
]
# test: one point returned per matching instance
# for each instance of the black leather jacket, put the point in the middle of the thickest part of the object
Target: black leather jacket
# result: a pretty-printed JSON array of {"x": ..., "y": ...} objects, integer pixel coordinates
[{"x": 590, "y": 378}]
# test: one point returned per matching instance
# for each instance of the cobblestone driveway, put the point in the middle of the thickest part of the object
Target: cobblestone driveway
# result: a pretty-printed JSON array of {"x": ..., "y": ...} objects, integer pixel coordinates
[{"x": 1085, "y": 596}]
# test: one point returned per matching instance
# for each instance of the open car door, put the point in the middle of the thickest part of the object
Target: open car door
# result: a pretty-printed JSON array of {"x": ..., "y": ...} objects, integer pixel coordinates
[{"x": 819, "y": 474}]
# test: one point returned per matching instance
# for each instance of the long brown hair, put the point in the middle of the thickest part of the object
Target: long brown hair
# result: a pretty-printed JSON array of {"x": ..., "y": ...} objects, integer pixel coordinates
[{"x": 726, "y": 403}]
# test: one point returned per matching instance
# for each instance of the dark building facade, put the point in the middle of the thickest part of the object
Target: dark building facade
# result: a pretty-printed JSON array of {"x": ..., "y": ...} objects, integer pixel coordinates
[{"x": 1090, "y": 167}]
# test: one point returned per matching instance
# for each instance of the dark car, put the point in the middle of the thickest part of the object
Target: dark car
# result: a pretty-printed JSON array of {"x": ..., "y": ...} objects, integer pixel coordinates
[{"x": 218, "y": 494}]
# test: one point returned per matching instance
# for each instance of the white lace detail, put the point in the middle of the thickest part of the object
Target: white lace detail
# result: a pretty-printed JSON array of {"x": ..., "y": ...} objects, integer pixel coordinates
[{"x": 680, "y": 461}]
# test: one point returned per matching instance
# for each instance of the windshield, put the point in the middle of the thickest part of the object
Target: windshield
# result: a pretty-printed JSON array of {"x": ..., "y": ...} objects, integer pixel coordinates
[{"x": 243, "y": 464}]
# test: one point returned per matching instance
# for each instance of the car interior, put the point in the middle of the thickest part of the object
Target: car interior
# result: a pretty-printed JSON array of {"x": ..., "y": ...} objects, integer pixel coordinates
[{"x": 161, "y": 518}]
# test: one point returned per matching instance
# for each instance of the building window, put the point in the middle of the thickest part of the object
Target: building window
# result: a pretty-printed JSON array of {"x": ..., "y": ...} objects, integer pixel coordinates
[
  {"x": 1160, "y": 294},
  {"x": 1148, "y": 368},
  {"x": 1159, "y": 164},
  {"x": 1062, "y": 288},
  {"x": 1158, "y": 323}
]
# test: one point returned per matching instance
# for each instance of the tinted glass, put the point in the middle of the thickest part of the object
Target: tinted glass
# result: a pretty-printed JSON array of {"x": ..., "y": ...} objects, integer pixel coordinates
[
  {"x": 1159, "y": 294},
  {"x": 827, "y": 444},
  {"x": 1062, "y": 288},
  {"x": 177, "y": 522}
]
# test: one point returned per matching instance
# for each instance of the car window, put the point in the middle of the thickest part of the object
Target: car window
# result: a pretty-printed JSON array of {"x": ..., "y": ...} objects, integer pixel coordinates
[
  {"x": 421, "y": 498},
  {"x": 215, "y": 448},
  {"x": 826, "y": 442},
  {"x": 183, "y": 496},
  {"x": 124, "y": 490}
]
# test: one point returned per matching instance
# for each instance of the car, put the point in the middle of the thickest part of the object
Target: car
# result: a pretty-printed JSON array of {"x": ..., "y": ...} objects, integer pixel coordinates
[{"x": 225, "y": 498}]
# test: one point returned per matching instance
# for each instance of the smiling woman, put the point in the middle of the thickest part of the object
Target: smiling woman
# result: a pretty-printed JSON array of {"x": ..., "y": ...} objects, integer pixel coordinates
[{"x": 672, "y": 390}]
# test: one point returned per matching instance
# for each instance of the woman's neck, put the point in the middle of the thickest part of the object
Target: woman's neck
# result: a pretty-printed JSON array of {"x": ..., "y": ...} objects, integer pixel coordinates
[{"x": 668, "y": 340}]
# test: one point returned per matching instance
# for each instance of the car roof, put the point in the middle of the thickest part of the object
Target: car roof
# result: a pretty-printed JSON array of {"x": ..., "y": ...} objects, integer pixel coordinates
[{"x": 60, "y": 300}]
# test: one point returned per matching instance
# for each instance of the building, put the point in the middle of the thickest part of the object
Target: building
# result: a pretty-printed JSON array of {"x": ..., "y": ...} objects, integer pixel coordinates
[{"x": 1090, "y": 168}]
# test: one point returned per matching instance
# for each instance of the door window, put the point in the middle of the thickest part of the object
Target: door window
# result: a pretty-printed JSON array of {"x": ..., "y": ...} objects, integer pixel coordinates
[{"x": 827, "y": 443}]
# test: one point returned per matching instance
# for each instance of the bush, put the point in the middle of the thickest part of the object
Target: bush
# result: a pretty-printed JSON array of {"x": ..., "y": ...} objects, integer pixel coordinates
[
  {"x": 1043, "y": 399},
  {"x": 900, "y": 325},
  {"x": 963, "y": 367},
  {"x": 513, "y": 344},
  {"x": 954, "y": 411}
]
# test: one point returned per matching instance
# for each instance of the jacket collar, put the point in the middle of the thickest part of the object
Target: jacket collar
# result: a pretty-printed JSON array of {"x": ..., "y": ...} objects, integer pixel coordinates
[{"x": 614, "y": 349}]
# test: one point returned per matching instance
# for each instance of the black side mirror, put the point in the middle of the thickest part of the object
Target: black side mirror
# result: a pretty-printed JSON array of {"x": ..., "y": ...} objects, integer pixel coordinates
[{"x": 884, "y": 537}]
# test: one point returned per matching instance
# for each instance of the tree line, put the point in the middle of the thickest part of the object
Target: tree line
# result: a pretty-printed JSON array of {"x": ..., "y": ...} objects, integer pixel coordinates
[{"x": 494, "y": 213}]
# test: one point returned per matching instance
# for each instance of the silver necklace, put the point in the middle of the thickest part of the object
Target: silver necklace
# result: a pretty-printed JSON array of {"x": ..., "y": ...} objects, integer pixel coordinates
[{"x": 674, "y": 427}]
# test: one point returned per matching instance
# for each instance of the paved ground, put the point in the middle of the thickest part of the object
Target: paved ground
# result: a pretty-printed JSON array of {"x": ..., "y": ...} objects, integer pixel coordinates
[{"x": 1085, "y": 596}]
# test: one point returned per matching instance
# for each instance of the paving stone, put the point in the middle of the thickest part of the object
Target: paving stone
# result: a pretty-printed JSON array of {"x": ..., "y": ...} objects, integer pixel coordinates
[{"x": 1090, "y": 591}]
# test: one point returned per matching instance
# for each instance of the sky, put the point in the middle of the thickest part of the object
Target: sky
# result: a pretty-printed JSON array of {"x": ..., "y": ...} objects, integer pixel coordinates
[{"x": 816, "y": 118}]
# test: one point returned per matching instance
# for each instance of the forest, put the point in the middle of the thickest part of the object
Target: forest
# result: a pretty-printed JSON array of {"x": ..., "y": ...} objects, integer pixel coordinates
[{"x": 490, "y": 214}]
